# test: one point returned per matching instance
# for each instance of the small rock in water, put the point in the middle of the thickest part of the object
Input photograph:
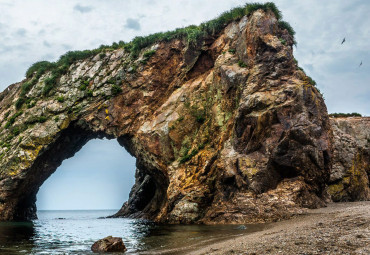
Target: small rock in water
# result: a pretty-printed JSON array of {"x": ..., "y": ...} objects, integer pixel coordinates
[{"x": 109, "y": 244}]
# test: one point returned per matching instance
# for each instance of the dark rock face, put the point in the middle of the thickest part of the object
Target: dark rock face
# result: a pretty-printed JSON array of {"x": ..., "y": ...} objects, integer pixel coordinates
[
  {"x": 109, "y": 244},
  {"x": 226, "y": 131},
  {"x": 349, "y": 179}
]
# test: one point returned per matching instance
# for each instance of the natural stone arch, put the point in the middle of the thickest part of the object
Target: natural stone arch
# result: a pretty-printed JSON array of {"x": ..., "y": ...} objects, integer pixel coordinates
[
  {"x": 227, "y": 129},
  {"x": 148, "y": 195}
]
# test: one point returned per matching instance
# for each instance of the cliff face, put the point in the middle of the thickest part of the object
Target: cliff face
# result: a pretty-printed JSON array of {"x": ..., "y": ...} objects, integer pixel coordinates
[
  {"x": 349, "y": 179},
  {"x": 225, "y": 130}
]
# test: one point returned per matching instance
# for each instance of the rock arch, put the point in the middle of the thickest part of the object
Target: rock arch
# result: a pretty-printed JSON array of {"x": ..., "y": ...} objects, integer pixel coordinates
[
  {"x": 224, "y": 130},
  {"x": 149, "y": 190}
]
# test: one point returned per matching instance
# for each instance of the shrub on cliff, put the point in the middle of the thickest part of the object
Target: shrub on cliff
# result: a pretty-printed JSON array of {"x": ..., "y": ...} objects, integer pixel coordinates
[
  {"x": 116, "y": 90},
  {"x": 19, "y": 103},
  {"x": 49, "y": 84},
  {"x": 340, "y": 114},
  {"x": 252, "y": 7},
  {"x": 41, "y": 66}
]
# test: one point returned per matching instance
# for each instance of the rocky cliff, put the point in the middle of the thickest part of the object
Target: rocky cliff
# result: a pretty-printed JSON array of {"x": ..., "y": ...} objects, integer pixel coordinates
[
  {"x": 349, "y": 179},
  {"x": 225, "y": 128}
]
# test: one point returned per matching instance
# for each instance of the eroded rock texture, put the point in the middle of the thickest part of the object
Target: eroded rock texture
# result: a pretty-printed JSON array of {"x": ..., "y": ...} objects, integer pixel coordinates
[
  {"x": 228, "y": 130},
  {"x": 349, "y": 179}
]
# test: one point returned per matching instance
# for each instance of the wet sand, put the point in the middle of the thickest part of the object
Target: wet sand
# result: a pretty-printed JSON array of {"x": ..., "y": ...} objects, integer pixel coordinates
[{"x": 340, "y": 228}]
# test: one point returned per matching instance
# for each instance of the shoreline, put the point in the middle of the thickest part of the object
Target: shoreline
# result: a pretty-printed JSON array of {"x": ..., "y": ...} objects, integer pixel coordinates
[{"x": 339, "y": 228}]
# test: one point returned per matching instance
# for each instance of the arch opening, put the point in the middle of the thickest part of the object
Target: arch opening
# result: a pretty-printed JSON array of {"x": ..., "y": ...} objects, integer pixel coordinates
[
  {"x": 146, "y": 195},
  {"x": 98, "y": 177}
]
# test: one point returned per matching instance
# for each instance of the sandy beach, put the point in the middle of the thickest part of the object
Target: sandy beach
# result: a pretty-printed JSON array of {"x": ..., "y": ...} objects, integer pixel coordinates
[{"x": 339, "y": 228}]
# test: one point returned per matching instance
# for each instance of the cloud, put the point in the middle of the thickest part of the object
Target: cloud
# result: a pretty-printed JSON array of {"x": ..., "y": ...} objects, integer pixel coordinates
[
  {"x": 66, "y": 46},
  {"x": 21, "y": 32},
  {"x": 133, "y": 24},
  {"x": 46, "y": 44},
  {"x": 82, "y": 9}
]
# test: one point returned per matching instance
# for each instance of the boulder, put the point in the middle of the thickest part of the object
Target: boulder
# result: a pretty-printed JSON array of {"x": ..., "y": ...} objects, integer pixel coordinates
[{"x": 109, "y": 244}]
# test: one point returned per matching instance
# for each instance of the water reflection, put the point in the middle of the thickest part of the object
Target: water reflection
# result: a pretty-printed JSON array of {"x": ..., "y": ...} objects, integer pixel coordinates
[
  {"x": 169, "y": 239},
  {"x": 73, "y": 232},
  {"x": 16, "y": 236}
]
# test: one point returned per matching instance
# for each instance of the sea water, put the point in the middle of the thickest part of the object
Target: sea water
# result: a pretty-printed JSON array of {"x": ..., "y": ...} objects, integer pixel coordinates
[{"x": 73, "y": 232}]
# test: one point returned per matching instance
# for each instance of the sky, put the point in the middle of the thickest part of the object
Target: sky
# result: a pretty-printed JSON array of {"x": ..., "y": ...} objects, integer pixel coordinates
[
  {"x": 45, "y": 29},
  {"x": 99, "y": 176}
]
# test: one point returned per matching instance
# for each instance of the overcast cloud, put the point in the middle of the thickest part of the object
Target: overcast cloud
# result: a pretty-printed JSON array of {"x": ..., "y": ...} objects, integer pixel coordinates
[
  {"x": 82, "y": 9},
  {"x": 132, "y": 24},
  {"x": 43, "y": 30}
]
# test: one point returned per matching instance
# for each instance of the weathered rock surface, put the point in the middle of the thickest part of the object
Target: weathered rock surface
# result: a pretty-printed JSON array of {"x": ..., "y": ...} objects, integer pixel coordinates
[
  {"x": 228, "y": 130},
  {"x": 109, "y": 244},
  {"x": 349, "y": 179}
]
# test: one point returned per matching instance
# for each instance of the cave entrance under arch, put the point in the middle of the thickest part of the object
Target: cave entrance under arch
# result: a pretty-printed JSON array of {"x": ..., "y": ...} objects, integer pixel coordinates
[
  {"x": 98, "y": 177},
  {"x": 146, "y": 196}
]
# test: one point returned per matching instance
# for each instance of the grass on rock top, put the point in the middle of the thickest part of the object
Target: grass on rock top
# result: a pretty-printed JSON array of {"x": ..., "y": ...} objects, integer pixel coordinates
[{"x": 192, "y": 34}]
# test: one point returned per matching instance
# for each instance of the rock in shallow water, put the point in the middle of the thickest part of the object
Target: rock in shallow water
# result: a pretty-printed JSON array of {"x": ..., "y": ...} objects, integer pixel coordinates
[{"x": 109, "y": 244}]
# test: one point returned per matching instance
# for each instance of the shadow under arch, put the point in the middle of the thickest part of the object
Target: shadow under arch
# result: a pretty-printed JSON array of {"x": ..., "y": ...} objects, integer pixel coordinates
[{"x": 146, "y": 196}]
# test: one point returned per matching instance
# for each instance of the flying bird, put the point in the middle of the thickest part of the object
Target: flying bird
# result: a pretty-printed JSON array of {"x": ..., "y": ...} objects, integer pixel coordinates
[
  {"x": 360, "y": 64},
  {"x": 344, "y": 39}
]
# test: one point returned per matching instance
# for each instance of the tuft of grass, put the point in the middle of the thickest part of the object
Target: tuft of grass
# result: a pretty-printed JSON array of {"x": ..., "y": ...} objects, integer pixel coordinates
[
  {"x": 30, "y": 103},
  {"x": 89, "y": 93},
  {"x": 12, "y": 119},
  {"x": 148, "y": 54},
  {"x": 41, "y": 66},
  {"x": 60, "y": 99},
  {"x": 190, "y": 155},
  {"x": 232, "y": 51},
  {"x": 40, "y": 119},
  {"x": 198, "y": 114},
  {"x": 242, "y": 64},
  {"x": 15, "y": 131},
  {"x": 269, "y": 6},
  {"x": 311, "y": 81},
  {"x": 19, "y": 103},
  {"x": 49, "y": 85},
  {"x": 111, "y": 81},
  {"x": 26, "y": 87},
  {"x": 285, "y": 25},
  {"x": 82, "y": 87},
  {"x": 116, "y": 90},
  {"x": 6, "y": 115}
]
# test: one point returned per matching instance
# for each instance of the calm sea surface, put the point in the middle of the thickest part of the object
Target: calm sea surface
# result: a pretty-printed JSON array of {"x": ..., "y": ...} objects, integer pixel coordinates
[{"x": 73, "y": 232}]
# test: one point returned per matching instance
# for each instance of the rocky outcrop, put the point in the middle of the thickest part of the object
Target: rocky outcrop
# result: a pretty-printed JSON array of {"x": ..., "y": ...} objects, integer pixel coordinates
[
  {"x": 349, "y": 178},
  {"x": 109, "y": 244},
  {"x": 224, "y": 130}
]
